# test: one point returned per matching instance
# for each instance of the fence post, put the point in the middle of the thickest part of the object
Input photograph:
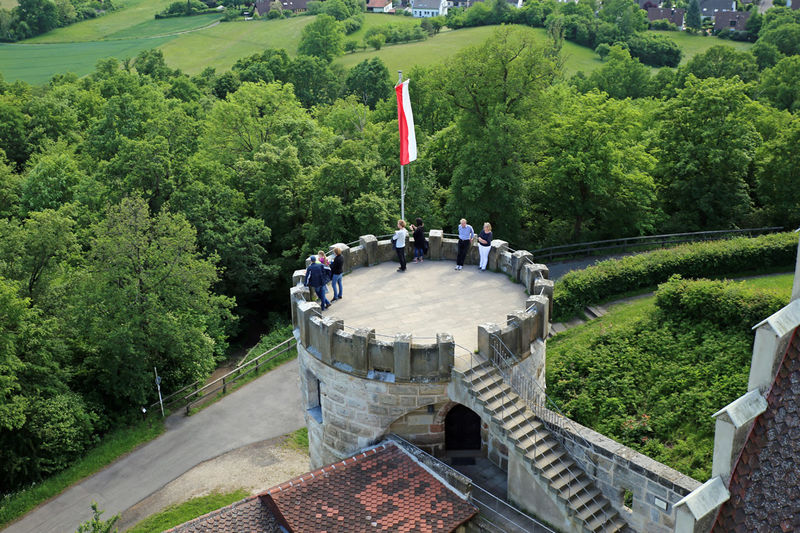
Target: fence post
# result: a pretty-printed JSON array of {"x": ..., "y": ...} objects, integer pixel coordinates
[{"x": 224, "y": 386}]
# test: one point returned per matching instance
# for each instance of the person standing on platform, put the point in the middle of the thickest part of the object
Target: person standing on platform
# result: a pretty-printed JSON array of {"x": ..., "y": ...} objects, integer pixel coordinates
[
  {"x": 399, "y": 241},
  {"x": 315, "y": 278},
  {"x": 336, "y": 272},
  {"x": 485, "y": 244},
  {"x": 419, "y": 240},
  {"x": 465, "y": 236}
]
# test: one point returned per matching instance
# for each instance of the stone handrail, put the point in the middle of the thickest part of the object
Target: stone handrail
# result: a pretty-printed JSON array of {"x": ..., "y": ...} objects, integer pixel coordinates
[{"x": 400, "y": 358}]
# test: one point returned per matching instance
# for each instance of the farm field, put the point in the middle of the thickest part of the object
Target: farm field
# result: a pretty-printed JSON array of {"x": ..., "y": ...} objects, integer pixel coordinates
[
  {"x": 8, "y": 4},
  {"x": 194, "y": 43}
]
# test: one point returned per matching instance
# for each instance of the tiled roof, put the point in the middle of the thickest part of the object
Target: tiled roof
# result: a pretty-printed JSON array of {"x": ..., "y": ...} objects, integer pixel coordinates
[
  {"x": 382, "y": 489},
  {"x": 765, "y": 483},
  {"x": 246, "y": 516},
  {"x": 378, "y": 3}
]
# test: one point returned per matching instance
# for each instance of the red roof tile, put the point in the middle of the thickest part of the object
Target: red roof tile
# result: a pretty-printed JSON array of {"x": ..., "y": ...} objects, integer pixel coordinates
[
  {"x": 382, "y": 489},
  {"x": 765, "y": 484}
]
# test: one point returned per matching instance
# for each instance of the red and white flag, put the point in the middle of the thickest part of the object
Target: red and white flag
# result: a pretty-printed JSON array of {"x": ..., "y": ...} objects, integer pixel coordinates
[{"x": 408, "y": 139}]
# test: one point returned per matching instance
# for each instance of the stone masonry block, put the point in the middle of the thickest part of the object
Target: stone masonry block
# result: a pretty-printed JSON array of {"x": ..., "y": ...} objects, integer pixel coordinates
[
  {"x": 305, "y": 310},
  {"x": 540, "y": 307},
  {"x": 370, "y": 245},
  {"x": 446, "y": 353},
  {"x": 298, "y": 277},
  {"x": 297, "y": 295},
  {"x": 435, "y": 237},
  {"x": 402, "y": 356},
  {"x": 330, "y": 325},
  {"x": 544, "y": 287},
  {"x": 524, "y": 324},
  {"x": 449, "y": 249},
  {"x": 518, "y": 259},
  {"x": 360, "y": 346},
  {"x": 347, "y": 266},
  {"x": 485, "y": 331},
  {"x": 498, "y": 247},
  {"x": 386, "y": 251},
  {"x": 541, "y": 270}
]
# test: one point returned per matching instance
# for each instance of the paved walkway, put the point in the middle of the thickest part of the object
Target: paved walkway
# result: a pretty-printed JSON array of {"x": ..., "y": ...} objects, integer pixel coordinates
[
  {"x": 427, "y": 299},
  {"x": 266, "y": 408}
]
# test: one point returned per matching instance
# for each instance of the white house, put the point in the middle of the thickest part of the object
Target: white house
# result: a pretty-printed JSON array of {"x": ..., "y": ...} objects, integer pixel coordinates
[
  {"x": 379, "y": 6},
  {"x": 428, "y": 8}
]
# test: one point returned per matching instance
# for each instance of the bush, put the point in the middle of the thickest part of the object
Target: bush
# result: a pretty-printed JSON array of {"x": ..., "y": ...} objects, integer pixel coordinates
[
  {"x": 654, "y": 50},
  {"x": 609, "y": 278},
  {"x": 663, "y": 25}
]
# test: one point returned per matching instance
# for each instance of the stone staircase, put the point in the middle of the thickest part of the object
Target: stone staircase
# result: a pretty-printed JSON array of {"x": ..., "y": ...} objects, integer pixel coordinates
[{"x": 543, "y": 452}]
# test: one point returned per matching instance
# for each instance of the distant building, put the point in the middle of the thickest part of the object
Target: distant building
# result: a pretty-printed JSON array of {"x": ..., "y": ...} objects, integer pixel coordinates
[
  {"x": 295, "y": 6},
  {"x": 672, "y": 15},
  {"x": 647, "y": 4},
  {"x": 428, "y": 8},
  {"x": 379, "y": 6},
  {"x": 710, "y": 8},
  {"x": 731, "y": 20}
]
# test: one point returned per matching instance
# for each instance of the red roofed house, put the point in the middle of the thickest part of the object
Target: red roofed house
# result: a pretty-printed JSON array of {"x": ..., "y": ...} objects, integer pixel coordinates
[
  {"x": 755, "y": 484},
  {"x": 675, "y": 16},
  {"x": 731, "y": 20},
  {"x": 379, "y": 6},
  {"x": 380, "y": 489}
]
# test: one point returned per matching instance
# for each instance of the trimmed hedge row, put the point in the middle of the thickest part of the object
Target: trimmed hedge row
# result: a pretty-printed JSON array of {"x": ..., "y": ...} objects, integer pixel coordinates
[{"x": 713, "y": 259}]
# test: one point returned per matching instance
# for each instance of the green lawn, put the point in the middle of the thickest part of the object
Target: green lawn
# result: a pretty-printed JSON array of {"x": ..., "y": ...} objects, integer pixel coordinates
[
  {"x": 8, "y": 4},
  {"x": 37, "y": 63},
  {"x": 129, "y": 13},
  {"x": 132, "y": 28},
  {"x": 697, "y": 44}
]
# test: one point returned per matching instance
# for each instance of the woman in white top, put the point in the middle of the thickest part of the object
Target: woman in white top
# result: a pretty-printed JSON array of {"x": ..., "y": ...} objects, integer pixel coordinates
[{"x": 399, "y": 241}]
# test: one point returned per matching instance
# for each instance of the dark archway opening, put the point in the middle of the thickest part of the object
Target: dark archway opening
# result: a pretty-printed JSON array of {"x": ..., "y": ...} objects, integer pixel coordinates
[{"x": 462, "y": 429}]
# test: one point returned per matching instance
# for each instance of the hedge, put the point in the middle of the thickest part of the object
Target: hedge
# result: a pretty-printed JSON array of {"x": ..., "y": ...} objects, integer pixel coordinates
[{"x": 714, "y": 259}]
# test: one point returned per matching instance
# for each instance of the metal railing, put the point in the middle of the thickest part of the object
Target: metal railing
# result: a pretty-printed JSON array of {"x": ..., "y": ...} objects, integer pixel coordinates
[
  {"x": 526, "y": 389},
  {"x": 583, "y": 249},
  {"x": 493, "y": 509},
  {"x": 222, "y": 383}
]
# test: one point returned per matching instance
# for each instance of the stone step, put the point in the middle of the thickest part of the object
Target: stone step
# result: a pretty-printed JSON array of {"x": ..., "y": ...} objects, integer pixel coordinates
[
  {"x": 571, "y": 486},
  {"x": 556, "y": 328},
  {"x": 479, "y": 370},
  {"x": 556, "y": 470},
  {"x": 548, "y": 454},
  {"x": 502, "y": 404},
  {"x": 605, "y": 519},
  {"x": 491, "y": 392},
  {"x": 594, "y": 311},
  {"x": 516, "y": 419},
  {"x": 585, "y": 504}
]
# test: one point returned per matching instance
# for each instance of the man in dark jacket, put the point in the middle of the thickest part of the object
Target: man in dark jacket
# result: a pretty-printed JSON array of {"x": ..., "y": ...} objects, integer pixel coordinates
[{"x": 315, "y": 278}]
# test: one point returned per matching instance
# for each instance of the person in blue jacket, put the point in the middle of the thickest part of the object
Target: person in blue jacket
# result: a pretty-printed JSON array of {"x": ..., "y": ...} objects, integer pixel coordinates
[{"x": 316, "y": 279}]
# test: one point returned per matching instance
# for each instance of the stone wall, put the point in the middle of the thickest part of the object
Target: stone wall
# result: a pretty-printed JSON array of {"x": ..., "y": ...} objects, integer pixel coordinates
[{"x": 615, "y": 469}]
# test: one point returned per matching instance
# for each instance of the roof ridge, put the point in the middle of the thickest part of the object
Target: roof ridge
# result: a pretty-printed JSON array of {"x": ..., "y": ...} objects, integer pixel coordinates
[{"x": 214, "y": 512}]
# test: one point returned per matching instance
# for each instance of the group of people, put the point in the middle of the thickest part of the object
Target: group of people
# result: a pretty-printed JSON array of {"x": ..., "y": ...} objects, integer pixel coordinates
[{"x": 320, "y": 271}]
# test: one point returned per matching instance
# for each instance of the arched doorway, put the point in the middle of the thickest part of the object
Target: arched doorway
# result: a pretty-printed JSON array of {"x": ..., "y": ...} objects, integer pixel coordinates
[{"x": 462, "y": 429}]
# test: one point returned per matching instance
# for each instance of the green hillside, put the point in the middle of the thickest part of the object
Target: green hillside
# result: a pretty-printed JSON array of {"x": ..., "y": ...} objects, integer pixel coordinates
[{"x": 194, "y": 43}]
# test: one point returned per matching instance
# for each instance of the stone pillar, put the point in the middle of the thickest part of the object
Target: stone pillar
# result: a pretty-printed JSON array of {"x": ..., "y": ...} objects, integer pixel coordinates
[
  {"x": 447, "y": 350},
  {"x": 498, "y": 247},
  {"x": 473, "y": 255},
  {"x": 402, "y": 356},
  {"x": 330, "y": 325},
  {"x": 518, "y": 259},
  {"x": 733, "y": 424},
  {"x": 305, "y": 310},
  {"x": 370, "y": 245},
  {"x": 523, "y": 324},
  {"x": 529, "y": 274},
  {"x": 346, "y": 266},
  {"x": 299, "y": 277},
  {"x": 296, "y": 295},
  {"x": 485, "y": 331},
  {"x": 695, "y": 513},
  {"x": 435, "y": 237},
  {"x": 544, "y": 287},
  {"x": 361, "y": 339},
  {"x": 765, "y": 351},
  {"x": 541, "y": 306}
]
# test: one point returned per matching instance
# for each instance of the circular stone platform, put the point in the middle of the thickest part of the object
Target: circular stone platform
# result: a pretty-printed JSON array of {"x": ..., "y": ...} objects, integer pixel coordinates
[{"x": 429, "y": 298}]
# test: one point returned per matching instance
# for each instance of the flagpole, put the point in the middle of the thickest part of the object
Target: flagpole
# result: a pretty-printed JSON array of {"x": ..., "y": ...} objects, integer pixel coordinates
[{"x": 402, "y": 181}]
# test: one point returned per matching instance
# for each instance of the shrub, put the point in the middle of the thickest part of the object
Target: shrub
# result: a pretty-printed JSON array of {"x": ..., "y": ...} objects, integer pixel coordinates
[
  {"x": 654, "y": 50},
  {"x": 664, "y": 25},
  {"x": 609, "y": 278}
]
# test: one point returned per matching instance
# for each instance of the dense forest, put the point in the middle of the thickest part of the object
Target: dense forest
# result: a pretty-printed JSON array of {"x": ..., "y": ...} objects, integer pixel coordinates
[{"x": 147, "y": 217}]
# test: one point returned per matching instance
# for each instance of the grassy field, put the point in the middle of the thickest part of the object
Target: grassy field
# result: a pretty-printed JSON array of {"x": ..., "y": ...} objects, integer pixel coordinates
[
  {"x": 132, "y": 28},
  {"x": 8, "y": 4},
  {"x": 697, "y": 44}
]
